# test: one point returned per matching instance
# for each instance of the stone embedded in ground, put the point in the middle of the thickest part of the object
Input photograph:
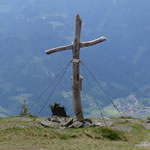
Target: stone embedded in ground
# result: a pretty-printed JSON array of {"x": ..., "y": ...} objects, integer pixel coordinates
[
  {"x": 87, "y": 124},
  {"x": 51, "y": 124},
  {"x": 68, "y": 123},
  {"x": 147, "y": 120},
  {"x": 96, "y": 123},
  {"x": 143, "y": 144},
  {"x": 76, "y": 124},
  {"x": 54, "y": 121},
  {"x": 88, "y": 120},
  {"x": 147, "y": 123}
]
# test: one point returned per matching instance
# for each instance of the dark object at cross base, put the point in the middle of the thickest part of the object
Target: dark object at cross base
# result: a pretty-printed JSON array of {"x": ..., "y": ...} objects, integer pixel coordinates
[{"x": 58, "y": 110}]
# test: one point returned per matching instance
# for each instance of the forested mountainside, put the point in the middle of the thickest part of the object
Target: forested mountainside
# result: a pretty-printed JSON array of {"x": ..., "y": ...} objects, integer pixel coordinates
[{"x": 121, "y": 64}]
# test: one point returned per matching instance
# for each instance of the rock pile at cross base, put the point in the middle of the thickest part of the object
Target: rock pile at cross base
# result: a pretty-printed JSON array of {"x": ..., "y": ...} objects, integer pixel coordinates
[{"x": 67, "y": 122}]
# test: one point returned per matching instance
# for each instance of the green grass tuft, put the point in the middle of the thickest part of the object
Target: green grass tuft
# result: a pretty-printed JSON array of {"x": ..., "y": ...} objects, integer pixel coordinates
[
  {"x": 110, "y": 134},
  {"x": 65, "y": 137}
]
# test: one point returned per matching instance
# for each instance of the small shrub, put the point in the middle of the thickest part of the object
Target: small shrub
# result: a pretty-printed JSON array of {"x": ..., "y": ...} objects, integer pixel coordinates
[
  {"x": 24, "y": 109},
  {"x": 32, "y": 116},
  {"x": 111, "y": 134},
  {"x": 65, "y": 137},
  {"x": 127, "y": 117}
]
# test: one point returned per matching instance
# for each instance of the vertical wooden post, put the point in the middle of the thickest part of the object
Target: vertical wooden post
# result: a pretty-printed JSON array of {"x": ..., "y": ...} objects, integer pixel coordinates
[{"x": 76, "y": 98}]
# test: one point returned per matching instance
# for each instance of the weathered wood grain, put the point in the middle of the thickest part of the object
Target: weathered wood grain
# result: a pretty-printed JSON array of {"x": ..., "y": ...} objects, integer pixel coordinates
[
  {"x": 58, "y": 49},
  {"x": 93, "y": 42},
  {"x": 76, "y": 97}
]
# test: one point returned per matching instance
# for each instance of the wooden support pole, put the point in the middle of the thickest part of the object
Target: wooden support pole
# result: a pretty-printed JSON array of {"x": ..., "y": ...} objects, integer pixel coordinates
[{"x": 76, "y": 98}]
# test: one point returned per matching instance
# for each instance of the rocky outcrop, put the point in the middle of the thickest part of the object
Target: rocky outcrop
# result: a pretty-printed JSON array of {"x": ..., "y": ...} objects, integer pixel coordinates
[
  {"x": 147, "y": 123},
  {"x": 66, "y": 122}
]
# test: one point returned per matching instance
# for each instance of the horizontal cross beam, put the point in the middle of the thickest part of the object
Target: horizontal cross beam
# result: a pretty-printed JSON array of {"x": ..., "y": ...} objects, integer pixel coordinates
[
  {"x": 82, "y": 44},
  {"x": 58, "y": 49},
  {"x": 93, "y": 42}
]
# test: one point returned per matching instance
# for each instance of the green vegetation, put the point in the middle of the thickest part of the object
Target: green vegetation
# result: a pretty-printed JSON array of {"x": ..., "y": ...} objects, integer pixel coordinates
[
  {"x": 21, "y": 133},
  {"x": 110, "y": 134},
  {"x": 25, "y": 109}
]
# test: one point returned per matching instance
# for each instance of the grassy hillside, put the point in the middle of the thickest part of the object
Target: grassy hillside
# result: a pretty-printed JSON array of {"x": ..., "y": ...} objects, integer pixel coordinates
[{"x": 24, "y": 133}]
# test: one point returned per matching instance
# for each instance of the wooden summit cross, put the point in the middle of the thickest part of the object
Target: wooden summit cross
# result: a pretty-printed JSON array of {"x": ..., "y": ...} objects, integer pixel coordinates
[{"x": 75, "y": 46}]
